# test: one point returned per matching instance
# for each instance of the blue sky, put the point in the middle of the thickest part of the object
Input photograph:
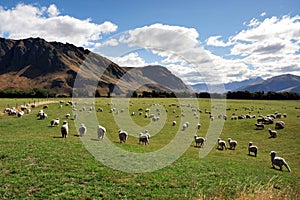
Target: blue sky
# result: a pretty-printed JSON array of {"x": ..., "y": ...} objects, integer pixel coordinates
[{"x": 242, "y": 39}]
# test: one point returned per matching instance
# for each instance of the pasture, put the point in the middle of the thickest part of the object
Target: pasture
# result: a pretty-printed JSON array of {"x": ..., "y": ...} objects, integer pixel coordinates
[{"x": 36, "y": 163}]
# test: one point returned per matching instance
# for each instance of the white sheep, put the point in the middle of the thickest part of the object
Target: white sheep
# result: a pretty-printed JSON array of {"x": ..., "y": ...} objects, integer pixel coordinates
[
  {"x": 232, "y": 143},
  {"x": 64, "y": 129},
  {"x": 82, "y": 130},
  {"x": 199, "y": 141},
  {"x": 67, "y": 115},
  {"x": 42, "y": 115},
  {"x": 184, "y": 126},
  {"x": 20, "y": 113},
  {"x": 198, "y": 126},
  {"x": 123, "y": 135},
  {"x": 144, "y": 138},
  {"x": 279, "y": 125},
  {"x": 101, "y": 131},
  {"x": 54, "y": 122},
  {"x": 221, "y": 144},
  {"x": 278, "y": 161},
  {"x": 252, "y": 148},
  {"x": 259, "y": 126},
  {"x": 174, "y": 123},
  {"x": 273, "y": 134}
]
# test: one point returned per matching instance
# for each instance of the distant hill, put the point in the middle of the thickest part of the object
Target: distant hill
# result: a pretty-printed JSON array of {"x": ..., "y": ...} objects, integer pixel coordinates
[
  {"x": 228, "y": 86},
  {"x": 36, "y": 63},
  {"x": 281, "y": 83}
]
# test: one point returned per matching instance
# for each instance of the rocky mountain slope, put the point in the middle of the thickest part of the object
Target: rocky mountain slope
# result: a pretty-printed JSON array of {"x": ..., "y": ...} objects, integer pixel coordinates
[{"x": 36, "y": 63}]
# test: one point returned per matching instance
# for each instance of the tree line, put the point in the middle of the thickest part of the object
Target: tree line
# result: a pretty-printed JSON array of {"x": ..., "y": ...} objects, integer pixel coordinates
[{"x": 45, "y": 93}]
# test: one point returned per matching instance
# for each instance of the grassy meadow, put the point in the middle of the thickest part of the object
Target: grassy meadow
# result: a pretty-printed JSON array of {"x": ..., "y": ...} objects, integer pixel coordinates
[{"x": 36, "y": 163}]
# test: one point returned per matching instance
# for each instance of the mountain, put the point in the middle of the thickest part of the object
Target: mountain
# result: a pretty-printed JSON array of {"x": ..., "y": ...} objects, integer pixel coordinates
[
  {"x": 281, "y": 83},
  {"x": 202, "y": 87},
  {"x": 36, "y": 63}
]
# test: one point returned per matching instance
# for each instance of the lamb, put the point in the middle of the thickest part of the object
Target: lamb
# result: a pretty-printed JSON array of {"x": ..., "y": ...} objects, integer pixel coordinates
[
  {"x": 199, "y": 141},
  {"x": 279, "y": 125},
  {"x": 252, "y": 148},
  {"x": 273, "y": 134},
  {"x": 82, "y": 130},
  {"x": 232, "y": 143},
  {"x": 54, "y": 122},
  {"x": 221, "y": 144},
  {"x": 260, "y": 126},
  {"x": 123, "y": 135},
  {"x": 278, "y": 161},
  {"x": 64, "y": 129},
  {"x": 101, "y": 132}
]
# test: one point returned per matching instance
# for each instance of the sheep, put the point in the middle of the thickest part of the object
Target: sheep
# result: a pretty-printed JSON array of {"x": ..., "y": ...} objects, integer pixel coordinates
[
  {"x": 42, "y": 115},
  {"x": 273, "y": 134},
  {"x": 221, "y": 144},
  {"x": 252, "y": 148},
  {"x": 82, "y": 130},
  {"x": 284, "y": 115},
  {"x": 279, "y": 125},
  {"x": 54, "y": 122},
  {"x": 144, "y": 137},
  {"x": 199, "y": 141},
  {"x": 123, "y": 135},
  {"x": 67, "y": 115},
  {"x": 278, "y": 161},
  {"x": 232, "y": 143},
  {"x": 185, "y": 126},
  {"x": 133, "y": 113},
  {"x": 100, "y": 110},
  {"x": 198, "y": 126},
  {"x": 260, "y": 126},
  {"x": 64, "y": 129},
  {"x": 20, "y": 113},
  {"x": 101, "y": 131},
  {"x": 174, "y": 123}
]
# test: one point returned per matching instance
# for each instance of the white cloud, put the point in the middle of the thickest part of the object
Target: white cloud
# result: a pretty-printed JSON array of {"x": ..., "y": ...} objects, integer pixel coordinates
[
  {"x": 53, "y": 11},
  {"x": 129, "y": 60},
  {"x": 214, "y": 41},
  {"x": 25, "y": 21},
  {"x": 263, "y": 14}
]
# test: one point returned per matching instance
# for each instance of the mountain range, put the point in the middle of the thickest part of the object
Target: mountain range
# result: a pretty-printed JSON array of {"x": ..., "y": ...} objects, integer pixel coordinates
[
  {"x": 36, "y": 63},
  {"x": 281, "y": 83}
]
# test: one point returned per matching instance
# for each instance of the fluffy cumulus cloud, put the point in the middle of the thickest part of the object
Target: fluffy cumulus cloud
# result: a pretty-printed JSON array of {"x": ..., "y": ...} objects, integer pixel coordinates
[
  {"x": 129, "y": 60},
  {"x": 25, "y": 21}
]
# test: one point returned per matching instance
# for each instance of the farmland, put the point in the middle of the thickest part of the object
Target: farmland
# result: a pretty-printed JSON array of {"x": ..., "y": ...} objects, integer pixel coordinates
[{"x": 36, "y": 163}]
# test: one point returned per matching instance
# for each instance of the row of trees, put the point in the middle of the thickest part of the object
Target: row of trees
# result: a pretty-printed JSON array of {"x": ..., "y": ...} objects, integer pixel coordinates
[
  {"x": 44, "y": 93},
  {"x": 30, "y": 93}
]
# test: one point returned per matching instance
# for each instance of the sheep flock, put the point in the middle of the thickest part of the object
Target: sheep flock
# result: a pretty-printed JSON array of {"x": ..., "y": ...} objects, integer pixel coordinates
[{"x": 270, "y": 125}]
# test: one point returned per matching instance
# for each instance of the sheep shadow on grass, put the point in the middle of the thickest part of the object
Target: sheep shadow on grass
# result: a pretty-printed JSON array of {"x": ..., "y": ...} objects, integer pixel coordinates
[{"x": 57, "y": 137}]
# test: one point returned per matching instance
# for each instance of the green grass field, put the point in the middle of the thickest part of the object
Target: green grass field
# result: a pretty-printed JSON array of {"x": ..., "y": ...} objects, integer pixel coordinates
[{"x": 37, "y": 164}]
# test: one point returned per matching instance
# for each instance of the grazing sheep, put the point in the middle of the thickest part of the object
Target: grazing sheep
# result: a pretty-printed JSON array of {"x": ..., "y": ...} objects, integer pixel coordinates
[
  {"x": 101, "y": 132},
  {"x": 54, "y": 122},
  {"x": 221, "y": 144},
  {"x": 252, "y": 148},
  {"x": 185, "y": 126},
  {"x": 60, "y": 106},
  {"x": 144, "y": 138},
  {"x": 232, "y": 143},
  {"x": 174, "y": 123},
  {"x": 67, "y": 115},
  {"x": 278, "y": 161},
  {"x": 82, "y": 130},
  {"x": 45, "y": 107},
  {"x": 273, "y": 134},
  {"x": 123, "y": 135},
  {"x": 100, "y": 110},
  {"x": 64, "y": 129},
  {"x": 284, "y": 115},
  {"x": 260, "y": 126},
  {"x": 199, "y": 141},
  {"x": 198, "y": 126},
  {"x": 279, "y": 125},
  {"x": 42, "y": 115},
  {"x": 20, "y": 113}
]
